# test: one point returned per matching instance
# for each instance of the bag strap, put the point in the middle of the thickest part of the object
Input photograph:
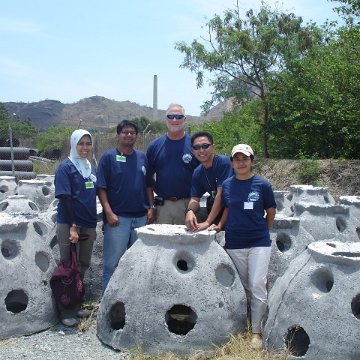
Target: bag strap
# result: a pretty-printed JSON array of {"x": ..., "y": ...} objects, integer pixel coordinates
[{"x": 73, "y": 258}]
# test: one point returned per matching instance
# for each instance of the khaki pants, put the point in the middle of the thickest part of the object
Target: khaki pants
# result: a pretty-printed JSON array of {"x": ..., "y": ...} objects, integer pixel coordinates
[{"x": 172, "y": 212}]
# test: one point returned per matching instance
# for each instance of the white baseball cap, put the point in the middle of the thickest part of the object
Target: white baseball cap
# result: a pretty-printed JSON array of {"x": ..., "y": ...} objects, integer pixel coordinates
[{"x": 242, "y": 148}]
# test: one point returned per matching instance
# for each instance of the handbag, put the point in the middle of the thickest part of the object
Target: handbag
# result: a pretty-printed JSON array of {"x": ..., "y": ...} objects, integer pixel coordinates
[{"x": 66, "y": 284}]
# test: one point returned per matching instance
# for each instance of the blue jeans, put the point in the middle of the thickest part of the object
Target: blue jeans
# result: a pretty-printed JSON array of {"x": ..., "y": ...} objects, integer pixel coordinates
[{"x": 116, "y": 241}]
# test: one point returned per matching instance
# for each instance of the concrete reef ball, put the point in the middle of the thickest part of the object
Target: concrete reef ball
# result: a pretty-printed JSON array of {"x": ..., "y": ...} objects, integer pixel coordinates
[
  {"x": 173, "y": 290},
  {"x": 314, "y": 308}
]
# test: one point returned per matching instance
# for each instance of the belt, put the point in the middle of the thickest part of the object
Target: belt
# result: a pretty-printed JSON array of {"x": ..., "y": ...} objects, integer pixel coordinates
[{"x": 173, "y": 198}]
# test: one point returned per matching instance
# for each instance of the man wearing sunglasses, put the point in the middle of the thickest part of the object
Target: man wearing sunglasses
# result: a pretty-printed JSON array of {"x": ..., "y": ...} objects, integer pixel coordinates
[
  {"x": 207, "y": 178},
  {"x": 172, "y": 163}
]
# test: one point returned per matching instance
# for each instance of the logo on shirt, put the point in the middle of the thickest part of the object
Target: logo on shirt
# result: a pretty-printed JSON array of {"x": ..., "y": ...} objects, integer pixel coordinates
[
  {"x": 143, "y": 169},
  {"x": 187, "y": 158},
  {"x": 253, "y": 196}
]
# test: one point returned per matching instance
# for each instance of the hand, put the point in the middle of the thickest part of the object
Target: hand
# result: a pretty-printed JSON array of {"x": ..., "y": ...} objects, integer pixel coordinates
[
  {"x": 74, "y": 236},
  {"x": 214, "y": 227},
  {"x": 113, "y": 219},
  {"x": 202, "y": 226},
  {"x": 191, "y": 221},
  {"x": 151, "y": 216}
]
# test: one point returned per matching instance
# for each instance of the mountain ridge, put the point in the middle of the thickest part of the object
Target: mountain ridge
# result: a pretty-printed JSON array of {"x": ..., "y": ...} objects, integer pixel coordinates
[{"x": 97, "y": 112}]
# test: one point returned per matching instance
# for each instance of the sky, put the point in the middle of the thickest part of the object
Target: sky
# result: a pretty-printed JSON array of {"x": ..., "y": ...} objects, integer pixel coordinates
[{"x": 72, "y": 49}]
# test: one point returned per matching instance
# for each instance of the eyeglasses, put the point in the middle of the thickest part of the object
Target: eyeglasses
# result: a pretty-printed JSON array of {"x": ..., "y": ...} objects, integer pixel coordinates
[
  {"x": 201, "y": 146},
  {"x": 128, "y": 132},
  {"x": 175, "y": 116}
]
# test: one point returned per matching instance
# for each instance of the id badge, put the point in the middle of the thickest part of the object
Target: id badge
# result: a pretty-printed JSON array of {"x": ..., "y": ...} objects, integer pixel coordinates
[
  {"x": 121, "y": 158},
  {"x": 248, "y": 205},
  {"x": 89, "y": 185}
]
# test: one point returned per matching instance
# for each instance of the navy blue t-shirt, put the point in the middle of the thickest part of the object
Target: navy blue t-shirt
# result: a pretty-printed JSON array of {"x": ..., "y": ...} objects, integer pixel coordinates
[
  {"x": 207, "y": 180},
  {"x": 68, "y": 181},
  {"x": 173, "y": 163},
  {"x": 247, "y": 201},
  {"x": 125, "y": 178}
]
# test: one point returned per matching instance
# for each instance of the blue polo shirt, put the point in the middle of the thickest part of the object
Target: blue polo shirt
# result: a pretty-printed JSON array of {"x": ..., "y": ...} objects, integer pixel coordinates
[
  {"x": 173, "y": 163},
  {"x": 206, "y": 180},
  {"x": 247, "y": 201},
  {"x": 125, "y": 178},
  {"x": 68, "y": 181}
]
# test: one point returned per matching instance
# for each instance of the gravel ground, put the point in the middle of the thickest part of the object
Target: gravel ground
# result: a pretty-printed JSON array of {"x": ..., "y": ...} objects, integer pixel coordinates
[{"x": 59, "y": 342}]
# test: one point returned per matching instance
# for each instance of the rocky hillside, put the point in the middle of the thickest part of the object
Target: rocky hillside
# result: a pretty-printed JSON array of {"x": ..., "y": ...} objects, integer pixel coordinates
[
  {"x": 97, "y": 112},
  {"x": 341, "y": 177}
]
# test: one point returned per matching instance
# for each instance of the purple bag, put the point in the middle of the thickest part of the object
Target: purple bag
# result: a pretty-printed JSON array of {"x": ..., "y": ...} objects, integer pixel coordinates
[{"x": 66, "y": 283}]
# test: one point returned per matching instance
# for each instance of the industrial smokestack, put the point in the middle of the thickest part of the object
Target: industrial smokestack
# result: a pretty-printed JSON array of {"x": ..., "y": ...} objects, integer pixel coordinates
[{"x": 155, "y": 95}]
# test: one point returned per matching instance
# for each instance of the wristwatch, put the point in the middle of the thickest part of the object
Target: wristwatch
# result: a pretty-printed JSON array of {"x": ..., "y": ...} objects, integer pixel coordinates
[
  {"x": 152, "y": 207},
  {"x": 188, "y": 209}
]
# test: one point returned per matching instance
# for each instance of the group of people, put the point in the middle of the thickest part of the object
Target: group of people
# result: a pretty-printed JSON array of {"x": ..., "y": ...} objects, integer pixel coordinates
[{"x": 165, "y": 186}]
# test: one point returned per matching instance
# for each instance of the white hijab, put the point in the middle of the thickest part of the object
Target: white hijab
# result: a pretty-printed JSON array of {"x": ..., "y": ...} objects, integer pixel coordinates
[{"x": 82, "y": 165}]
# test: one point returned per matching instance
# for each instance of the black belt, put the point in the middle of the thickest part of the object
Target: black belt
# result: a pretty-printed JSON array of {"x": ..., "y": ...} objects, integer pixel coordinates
[{"x": 173, "y": 198}]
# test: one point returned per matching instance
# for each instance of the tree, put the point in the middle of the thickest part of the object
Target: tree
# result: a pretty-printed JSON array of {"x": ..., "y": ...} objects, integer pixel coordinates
[
  {"x": 242, "y": 54},
  {"x": 20, "y": 128},
  {"x": 52, "y": 140},
  {"x": 315, "y": 107}
]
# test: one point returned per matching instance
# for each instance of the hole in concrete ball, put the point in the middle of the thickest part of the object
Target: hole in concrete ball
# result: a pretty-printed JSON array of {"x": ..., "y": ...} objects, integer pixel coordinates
[
  {"x": 40, "y": 228},
  {"x": 3, "y": 205},
  {"x": 340, "y": 224},
  {"x": 32, "y": 205},
  {"x": 9, "y": 249},
  {"x": 326, "y": 199},
  {"x": 355, "y": 306},
  {"x": 323, "y": 279},
  {"x": 42, "y": 261},
  {"x": 16, "y": 301},
  {"x": 331, "y": 245},
  {"x": 297, "y": 341},
  {"x": 283, "y": 242},
  {"x": 346, "y": 254},
  {"x": 180, "y": 319},
  {"x": 45, "y": 190},
  {"x": 4, "y": 189},
  {"x": 53, "y": 242},
  {"x": 225, "y": 275},
  {"x": 117, "y": 316},
  {"x": 184, "y": 261}
]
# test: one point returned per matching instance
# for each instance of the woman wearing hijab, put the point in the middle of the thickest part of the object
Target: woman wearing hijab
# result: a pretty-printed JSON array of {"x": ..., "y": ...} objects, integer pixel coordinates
[{"x": 75, "y": 187}]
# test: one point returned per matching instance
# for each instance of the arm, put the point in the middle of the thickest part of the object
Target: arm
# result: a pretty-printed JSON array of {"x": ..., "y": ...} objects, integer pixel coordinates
[
  {"x": 216, "y": 208},
  {"x": 113, "y": 219},
  {"x": 190, "y": 217},
  {"x": 67, "y": 202},
  {"x": 151, "y": 214},
  {"x": 221, "y": 223},
  {"x": 270, "y": 216}
]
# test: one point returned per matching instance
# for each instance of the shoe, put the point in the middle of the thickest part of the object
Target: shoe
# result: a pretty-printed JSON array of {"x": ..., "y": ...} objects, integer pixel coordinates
[
  {"x": 69, "y": 322},
  {"x": 256, "y": 342},
  {"x": 82, "y": 313}
]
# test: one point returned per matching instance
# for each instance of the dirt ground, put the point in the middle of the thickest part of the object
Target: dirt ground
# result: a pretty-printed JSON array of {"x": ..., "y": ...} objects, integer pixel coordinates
[{"x": 341, "y": 177}]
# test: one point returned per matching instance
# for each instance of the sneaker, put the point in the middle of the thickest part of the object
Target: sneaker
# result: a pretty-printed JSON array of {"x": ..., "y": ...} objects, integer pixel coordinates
[
  {"x": 69, "y": 322},
  {"x": 82, "y": 313},
  {"x": 256, "y": 342}
]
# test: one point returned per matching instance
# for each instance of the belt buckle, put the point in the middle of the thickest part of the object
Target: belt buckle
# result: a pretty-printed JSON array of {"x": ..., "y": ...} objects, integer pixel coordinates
[{"x": 173, "y": 198}]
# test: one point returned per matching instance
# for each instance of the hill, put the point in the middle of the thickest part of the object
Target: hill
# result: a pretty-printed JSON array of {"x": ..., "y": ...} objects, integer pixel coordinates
[{"x": 97, "y": 112}]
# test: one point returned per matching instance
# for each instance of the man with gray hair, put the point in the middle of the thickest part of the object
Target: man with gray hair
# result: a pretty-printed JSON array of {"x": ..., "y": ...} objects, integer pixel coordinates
[{"x": 172, "y": 163}]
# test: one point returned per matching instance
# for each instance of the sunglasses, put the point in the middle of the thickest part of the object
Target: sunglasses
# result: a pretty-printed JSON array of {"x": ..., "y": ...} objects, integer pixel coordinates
[
  {"x": 202, "y": 146},
  {"x": 174, "y": 116}
]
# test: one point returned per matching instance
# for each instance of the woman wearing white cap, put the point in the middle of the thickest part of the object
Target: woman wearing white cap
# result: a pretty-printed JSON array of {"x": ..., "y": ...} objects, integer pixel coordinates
[
  {"x": 248, "y": 216},
  {"x": 75, "y": 187}
]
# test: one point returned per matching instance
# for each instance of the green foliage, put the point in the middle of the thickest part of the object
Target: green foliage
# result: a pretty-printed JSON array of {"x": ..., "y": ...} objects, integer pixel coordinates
[
  {"x": 242, "y": 54},
  {"x": 315, "y": 106},
  {"x": 156, "y": 127},
  {"x": 309, "y": 172},
  {"x": 20, "y": 128},
  {"x": 236, "y": 127},
  {"x": 53, "y": 139}
]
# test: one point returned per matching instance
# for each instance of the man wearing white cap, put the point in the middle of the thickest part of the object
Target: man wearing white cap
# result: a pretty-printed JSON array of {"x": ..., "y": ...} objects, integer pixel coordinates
[{"x": 249, "y": 212}]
